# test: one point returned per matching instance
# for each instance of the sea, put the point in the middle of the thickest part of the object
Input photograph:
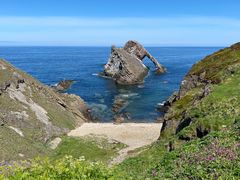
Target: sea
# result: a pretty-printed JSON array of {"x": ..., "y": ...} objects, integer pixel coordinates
[{"x": 82, "y": 64}]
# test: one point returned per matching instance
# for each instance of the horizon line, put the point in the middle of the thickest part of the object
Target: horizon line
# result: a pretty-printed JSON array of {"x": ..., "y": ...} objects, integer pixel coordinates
[{"x": 109, "y": 46}]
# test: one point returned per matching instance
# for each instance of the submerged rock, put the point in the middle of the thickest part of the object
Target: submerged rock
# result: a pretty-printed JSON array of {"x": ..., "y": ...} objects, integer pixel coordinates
[
  {"x": 125, "y": 64},
  {"x": 118, "y": 104},
  {"x": 99, "y": 112},
  {"x": 118, "y": 119}
]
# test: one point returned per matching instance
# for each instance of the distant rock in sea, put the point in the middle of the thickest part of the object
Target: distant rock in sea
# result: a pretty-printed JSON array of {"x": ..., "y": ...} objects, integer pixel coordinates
[
  {"x": 63, "y": 85},
  {"x": 125, "y": 64}
]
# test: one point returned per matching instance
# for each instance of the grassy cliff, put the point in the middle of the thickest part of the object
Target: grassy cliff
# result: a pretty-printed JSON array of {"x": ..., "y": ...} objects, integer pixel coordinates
[
  {"x": 32, "y": 114},
  {"x": 208, "y": 97}
]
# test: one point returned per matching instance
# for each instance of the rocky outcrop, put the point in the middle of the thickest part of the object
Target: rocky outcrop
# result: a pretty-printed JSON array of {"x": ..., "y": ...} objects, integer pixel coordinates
[
  {"x": 77, "y": 106},
  {"x": 125, "y": 65},
  {"x": 63, "y": 85},
  {"x": 31, "y": 113}
]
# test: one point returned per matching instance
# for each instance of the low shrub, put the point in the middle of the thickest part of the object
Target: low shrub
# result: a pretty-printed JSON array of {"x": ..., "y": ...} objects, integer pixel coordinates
[{"x": 65, "y": 168}]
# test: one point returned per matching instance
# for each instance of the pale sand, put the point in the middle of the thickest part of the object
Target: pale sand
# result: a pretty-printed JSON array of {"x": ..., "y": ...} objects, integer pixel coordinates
[{"x": 134, "y": 135}]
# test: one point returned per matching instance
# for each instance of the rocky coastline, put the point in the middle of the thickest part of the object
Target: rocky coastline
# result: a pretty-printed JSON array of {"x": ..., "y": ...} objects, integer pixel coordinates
[{"x": 202, "y": 117}]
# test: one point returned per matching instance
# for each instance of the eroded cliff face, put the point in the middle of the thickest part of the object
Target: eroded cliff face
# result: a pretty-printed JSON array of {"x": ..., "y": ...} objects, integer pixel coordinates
[
  {"x": 208, "y": 97},
  {"x": 125, "y": 64},
  {"x": 31, "y": 114}
]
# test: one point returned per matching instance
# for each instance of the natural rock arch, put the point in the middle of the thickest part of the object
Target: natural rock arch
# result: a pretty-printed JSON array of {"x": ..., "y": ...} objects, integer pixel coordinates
[
  {"x": 125, "y": 64},
  {"x": 136, "y": 49}
]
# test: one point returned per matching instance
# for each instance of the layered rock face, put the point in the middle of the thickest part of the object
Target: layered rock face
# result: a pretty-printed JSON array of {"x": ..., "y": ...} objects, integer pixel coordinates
[
  {"x": 137, "y": 50},
  {"x": 125, "y": 65},
  {"x": 31, "y": 114}
]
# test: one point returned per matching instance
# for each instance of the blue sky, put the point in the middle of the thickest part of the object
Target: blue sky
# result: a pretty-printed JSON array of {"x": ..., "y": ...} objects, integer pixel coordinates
[{"x": 106, "y": 22}]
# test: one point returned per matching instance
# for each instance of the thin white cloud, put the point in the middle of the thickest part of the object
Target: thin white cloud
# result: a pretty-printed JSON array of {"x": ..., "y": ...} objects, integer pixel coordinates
[
  {"x": 105, "y": 31},
  {"x": 115, "y": 22}
]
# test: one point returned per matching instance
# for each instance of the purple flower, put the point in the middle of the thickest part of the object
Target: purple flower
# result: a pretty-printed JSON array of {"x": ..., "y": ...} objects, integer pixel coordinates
[{"x": 154, "y": 173}]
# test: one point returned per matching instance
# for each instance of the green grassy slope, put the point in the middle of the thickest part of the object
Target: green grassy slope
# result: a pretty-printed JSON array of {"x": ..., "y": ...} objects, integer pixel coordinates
[
  {"x": 92, "y": 148},
  {"x": 214, "y": 156}
]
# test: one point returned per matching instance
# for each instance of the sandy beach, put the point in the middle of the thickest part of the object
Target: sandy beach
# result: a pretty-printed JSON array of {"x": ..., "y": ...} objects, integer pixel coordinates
[{"x": 134, "y": 135}]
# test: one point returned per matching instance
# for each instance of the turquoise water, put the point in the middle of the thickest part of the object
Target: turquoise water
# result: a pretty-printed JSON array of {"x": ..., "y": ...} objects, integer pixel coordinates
[{"x": 81, "y": 64}]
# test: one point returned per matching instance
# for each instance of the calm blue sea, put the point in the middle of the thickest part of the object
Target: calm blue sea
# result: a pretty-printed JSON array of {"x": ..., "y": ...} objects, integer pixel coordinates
[{"x": 81, "y": 64}]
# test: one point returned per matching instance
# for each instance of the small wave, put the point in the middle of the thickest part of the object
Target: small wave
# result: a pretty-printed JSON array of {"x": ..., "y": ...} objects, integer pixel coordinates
[
  {"x": 53, "y": 85},
  {"x": 128, "y": 95},
  {"x": 97, "y": 95},
  {"x": 141, "y": 86},
  {"x": 161, "y": 104}
]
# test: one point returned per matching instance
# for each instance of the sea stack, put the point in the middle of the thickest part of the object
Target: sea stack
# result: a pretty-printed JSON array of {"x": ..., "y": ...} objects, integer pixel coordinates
[{"x": 125, "y": 65}]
